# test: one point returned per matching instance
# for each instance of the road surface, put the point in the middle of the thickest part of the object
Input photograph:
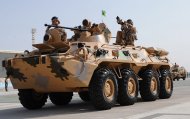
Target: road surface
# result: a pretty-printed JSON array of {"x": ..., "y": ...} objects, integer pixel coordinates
[{"x": 177, "y": 107}]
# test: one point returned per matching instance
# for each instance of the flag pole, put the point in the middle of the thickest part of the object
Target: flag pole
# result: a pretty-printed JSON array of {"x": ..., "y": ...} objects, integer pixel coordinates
[{"x": 103, "y": 15}]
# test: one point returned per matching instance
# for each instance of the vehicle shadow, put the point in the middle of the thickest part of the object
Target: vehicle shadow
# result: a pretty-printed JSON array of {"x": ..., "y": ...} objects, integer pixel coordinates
[
  {"x": 48, "y": 110},
  {"x": 75, "y": 107}
]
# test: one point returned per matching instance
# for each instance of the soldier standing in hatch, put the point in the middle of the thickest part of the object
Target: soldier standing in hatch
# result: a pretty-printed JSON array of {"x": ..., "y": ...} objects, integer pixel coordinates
[
  {"x": 86, "y": 24},
  {"x": 77, "y": 33},
  {"x": 128, "y": 31},
  {"x": 55, "y": 22}
]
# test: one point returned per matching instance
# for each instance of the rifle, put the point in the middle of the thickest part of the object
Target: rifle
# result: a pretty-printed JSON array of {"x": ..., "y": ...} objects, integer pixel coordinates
[{"x": 79, "y": 29}]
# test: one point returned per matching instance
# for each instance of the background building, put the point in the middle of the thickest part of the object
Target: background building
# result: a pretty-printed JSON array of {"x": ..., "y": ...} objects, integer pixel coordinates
[{"x": 5, "y": 55}]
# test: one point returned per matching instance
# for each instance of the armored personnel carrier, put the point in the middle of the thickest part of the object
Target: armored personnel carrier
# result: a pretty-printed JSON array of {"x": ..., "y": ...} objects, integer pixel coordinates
[
  {"x": 178, "y": 72},
  {"x": 101, "y": 73}
]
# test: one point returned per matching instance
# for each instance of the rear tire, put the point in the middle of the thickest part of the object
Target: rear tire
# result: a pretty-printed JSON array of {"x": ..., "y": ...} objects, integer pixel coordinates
[
  {"x": 127, "y": 88},
  {"x": 166, "y": 84},
  {"x": 149, "y": 86},
  {"x": 103, "y": 89},
  {"x": 84, "y": 95},
  {"x": 32, "y": 100},
  {"x": 61, "y": 98}
]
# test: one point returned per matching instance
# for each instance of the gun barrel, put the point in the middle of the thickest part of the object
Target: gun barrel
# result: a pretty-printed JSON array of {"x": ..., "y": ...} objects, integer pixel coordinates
[{"x": 66, "y": 27}]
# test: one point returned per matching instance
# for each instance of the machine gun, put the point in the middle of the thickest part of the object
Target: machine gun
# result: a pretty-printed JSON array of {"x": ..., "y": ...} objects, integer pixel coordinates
[{"x": 78, "y": 29}]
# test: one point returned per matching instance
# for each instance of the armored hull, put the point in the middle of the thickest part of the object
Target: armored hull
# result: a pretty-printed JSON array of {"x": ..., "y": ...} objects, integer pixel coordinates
[{"x": 99, "y": 72}]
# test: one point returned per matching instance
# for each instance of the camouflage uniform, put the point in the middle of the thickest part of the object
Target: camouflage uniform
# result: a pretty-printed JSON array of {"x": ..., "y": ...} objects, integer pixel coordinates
[
  {"x": 128, "y": 32},
  {"x": 77, "y": 33},
  {"x": 86, "y": 24},
  {"x": 62, "y": 32}
]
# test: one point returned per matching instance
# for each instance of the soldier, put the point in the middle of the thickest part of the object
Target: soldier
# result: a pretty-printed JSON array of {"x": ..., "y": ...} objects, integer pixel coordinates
[
  {"x": 55, "y": 21},
  {"x": 86, "y": 24},
  {"x": 6, "y": 80},
  {"x": 93, "y": 29},
  {"x": 8, "y": 73},
  {"x": 128, "y": 31},
  {"x": 77, "y": 33}
]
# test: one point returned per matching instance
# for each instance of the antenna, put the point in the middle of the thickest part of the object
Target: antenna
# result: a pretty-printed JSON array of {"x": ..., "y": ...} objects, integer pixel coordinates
[{"x": 33, "y": 31}]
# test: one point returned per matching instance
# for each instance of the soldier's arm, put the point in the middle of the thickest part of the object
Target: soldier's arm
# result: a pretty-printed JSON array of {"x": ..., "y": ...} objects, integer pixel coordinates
[
  {"x": 119, "y": 21},
  {"x": 64, "y": 35},
  {"x": 47, "y": 29},
  {"x": 134, "y": 29}
]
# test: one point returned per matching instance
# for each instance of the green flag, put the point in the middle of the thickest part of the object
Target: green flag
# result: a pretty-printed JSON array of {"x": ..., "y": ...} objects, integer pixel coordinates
[{"x": 103, "y": 13}]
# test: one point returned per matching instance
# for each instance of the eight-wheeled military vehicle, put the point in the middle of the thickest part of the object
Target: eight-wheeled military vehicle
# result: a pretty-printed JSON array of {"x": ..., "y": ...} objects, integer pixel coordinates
[
  {"x": 178, "y": 72},
  {"x": 101, "y": 73}
]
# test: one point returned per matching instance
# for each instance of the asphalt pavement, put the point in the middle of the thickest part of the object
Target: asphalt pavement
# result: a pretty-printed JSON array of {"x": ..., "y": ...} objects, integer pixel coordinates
[{"x": 177, "y": 107}]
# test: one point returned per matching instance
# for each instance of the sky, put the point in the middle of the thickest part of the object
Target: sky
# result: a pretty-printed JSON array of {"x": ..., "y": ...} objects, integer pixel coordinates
[{"x": 160, "y": 23}]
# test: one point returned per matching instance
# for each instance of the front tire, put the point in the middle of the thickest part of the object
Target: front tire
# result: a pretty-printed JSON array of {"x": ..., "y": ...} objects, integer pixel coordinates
[
  {"x": 128, "y": 88},
  {"x": 166, "y": 85},
  {"x": 84, "y": 95},
  {"x": 150, "y": 85},
  {"x": 184, "y": 78},
  {"x": 103, "y": 89},
  {"x": 32, "y": 100},
  {"x": 178, "y": 78},
  {"x": 61, "y": 98}
]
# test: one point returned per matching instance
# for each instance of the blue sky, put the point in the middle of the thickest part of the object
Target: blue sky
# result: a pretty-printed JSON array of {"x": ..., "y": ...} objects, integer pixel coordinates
[{"x": 160, "y": 23}]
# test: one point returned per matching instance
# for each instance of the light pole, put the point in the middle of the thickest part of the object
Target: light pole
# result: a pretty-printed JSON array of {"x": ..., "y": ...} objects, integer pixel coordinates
[{"x": 33, "y": 31}]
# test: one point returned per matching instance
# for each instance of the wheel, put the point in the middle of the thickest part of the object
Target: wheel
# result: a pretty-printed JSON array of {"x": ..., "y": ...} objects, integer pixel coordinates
[
  {"x": 184, "y": 78},
  {"x": 127, "y": 88},
  {"x": 166, "y": 84},
  {"x": 61, "y": 98},
  {"x": 31, "y": 99},
  {"x": 84, "y": 95},
  {"x": 149, "y": 86},
  {"x": 103, "y": 89},
  {"x": 178, "y": 78}
]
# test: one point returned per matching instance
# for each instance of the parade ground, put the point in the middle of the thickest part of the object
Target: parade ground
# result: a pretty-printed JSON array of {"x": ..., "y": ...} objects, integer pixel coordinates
[{"x": 177, "y": 107}]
